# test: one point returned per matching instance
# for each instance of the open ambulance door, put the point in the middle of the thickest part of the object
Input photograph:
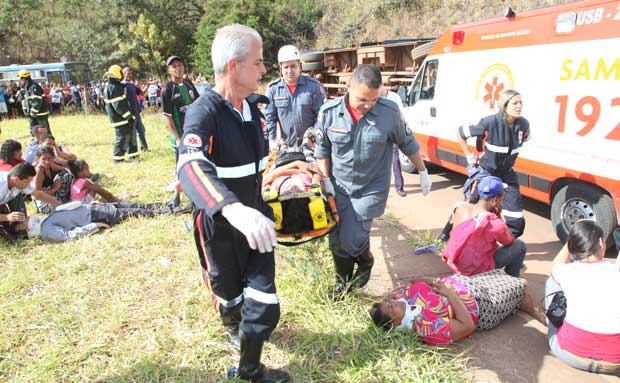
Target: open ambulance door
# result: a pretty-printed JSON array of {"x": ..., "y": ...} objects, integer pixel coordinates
[{"x": 421, "y": 103}]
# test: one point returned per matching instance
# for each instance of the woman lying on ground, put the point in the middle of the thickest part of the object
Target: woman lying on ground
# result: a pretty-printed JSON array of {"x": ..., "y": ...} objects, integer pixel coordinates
[
  {"x": 445, "y": 310},
  {"x": 83, "y": 188},
  {"x": 589, "y": 337}
]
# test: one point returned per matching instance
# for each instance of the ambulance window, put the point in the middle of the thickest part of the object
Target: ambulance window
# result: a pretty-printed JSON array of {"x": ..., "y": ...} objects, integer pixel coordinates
[
  {"x": 414, "y": 94},
  {"x": 565, "y": 22},
  {"x": 429, "y": 80}
]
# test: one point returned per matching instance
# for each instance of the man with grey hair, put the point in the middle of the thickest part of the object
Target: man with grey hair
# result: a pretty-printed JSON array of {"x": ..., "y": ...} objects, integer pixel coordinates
[
  {"x": 354, "y": 135},
  {"x": 222, "y": 154}
]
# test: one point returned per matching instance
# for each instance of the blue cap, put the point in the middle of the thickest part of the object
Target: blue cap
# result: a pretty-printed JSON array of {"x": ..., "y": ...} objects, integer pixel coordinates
[{"x": 490, "y": 186}]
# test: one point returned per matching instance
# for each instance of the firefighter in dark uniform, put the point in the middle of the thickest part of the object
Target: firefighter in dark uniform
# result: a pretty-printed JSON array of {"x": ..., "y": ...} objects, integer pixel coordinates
[
  {"x": 36, "y": 106},
  {"x": 222, "y": 154},
  {"x": 294, "y": 100},
  {"x": 500, "y": 137},
  {"x": 119, "y": 113}
]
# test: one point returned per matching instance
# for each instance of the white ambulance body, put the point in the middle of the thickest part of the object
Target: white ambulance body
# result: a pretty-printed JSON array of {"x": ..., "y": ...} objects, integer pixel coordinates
[{"x": 565, "y": 62}]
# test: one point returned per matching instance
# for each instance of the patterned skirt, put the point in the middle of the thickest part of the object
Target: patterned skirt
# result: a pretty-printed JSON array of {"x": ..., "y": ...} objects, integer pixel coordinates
[{"x": 498, "y": 295}]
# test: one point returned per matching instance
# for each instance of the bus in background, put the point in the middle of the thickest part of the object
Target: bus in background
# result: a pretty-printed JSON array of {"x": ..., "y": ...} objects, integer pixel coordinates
[
  {"x": 565, "y": 62},
  {"x": 57, "y": 73}
]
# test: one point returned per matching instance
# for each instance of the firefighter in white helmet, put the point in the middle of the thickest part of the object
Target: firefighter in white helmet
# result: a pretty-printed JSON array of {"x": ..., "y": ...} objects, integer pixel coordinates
[{"x": 294, "y": 100}]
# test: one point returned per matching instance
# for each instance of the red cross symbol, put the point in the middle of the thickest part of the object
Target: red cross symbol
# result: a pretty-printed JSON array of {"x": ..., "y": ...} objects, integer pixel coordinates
[
  {"x": 493, "y": 91},
  {"x": 193, "y": 141}
]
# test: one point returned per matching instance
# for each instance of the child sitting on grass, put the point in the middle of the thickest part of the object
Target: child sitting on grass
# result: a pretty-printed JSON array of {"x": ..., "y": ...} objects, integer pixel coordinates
[{"x": 83, "y": 188}]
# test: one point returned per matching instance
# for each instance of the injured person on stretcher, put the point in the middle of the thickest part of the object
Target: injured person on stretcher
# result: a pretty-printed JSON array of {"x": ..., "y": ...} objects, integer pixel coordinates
[{"x": 301, "y": 198}]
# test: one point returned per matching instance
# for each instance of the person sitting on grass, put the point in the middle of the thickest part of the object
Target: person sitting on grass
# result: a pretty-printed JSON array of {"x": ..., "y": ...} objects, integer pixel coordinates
[
  {"x": 13, "y": 186},
  {"x": 445, "y": 310},
  {"x": 472, "y": 247},
  {"x": 75, "y": 219},
  {"x": 10, "y": 155},
  {"x": 589, "y": 336},
  {"x": 61, "y": 152},
  {"x": 51, "y": 178},
  {"x": 83, "y": 188},
  {"x": 33, "y": 145}
]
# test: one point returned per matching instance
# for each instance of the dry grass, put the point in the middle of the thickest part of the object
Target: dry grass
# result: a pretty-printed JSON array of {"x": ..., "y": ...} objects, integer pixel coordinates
[{"x": 128, "y": 304}]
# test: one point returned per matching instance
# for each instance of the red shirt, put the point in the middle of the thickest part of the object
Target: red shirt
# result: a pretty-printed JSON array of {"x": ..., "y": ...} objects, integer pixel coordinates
[
  {"x": 292, "y": 88},
  {"x": 4, "y": 167},
  {"x": 355, "y": 115}
]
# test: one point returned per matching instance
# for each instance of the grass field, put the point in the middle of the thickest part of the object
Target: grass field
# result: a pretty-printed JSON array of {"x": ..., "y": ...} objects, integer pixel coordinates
[{"x": 128, "y": 304}]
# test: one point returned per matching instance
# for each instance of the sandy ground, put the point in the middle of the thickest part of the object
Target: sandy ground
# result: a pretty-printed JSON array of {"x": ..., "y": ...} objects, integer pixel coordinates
[{"x": 516, "y": 351}]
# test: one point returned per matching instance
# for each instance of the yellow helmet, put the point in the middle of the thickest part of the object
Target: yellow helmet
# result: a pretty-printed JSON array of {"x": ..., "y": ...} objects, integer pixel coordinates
[
  {"x": 23, "y": 73},
  {"x": 114, "y": 71}
]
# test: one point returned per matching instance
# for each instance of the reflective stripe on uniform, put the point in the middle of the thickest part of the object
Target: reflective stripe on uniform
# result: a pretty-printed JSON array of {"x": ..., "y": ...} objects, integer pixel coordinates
[
  {"x": 115, "y": 124},
  {"x": 515, "y": 150},
  {"x": 231, "y": 303},
  {"x": 114, "y": 99},
  {"x": 118, "y": 158},
  {"x": 496, "y": 149},
  {"x": 512, "y": 214},
  {"x": 34, "y": 96},
  {"x": 241, "y": 171},
  {"x": 43, "y": 114},
  {"x": 127, "y": 114},
  {"x": 259, "y": 296},
  {"x": 135, "y": 154}
]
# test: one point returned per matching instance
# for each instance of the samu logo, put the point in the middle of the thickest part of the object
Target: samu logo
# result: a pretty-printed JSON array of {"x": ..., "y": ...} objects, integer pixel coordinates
[{"x": 493, "y": 81}]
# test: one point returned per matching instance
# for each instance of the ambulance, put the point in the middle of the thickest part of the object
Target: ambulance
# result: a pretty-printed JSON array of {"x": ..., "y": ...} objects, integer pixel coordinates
[{"x": 565, "y": 62}]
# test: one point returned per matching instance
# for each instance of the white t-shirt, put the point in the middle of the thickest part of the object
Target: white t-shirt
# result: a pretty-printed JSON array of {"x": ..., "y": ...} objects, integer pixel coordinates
[
  {"x": 591, "y": 291},
  {"x": 7, "y": 194},
  {"x": 152, "y": 90}
]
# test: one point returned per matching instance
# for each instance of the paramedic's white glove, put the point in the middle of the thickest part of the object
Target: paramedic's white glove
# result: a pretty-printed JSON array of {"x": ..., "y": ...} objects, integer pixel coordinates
[
  {"x": 259, "y": 230},
  {"x": 329, "y": 187},
  {"x": 425, "y": 182},
  {"x": 472, "y": 159}
]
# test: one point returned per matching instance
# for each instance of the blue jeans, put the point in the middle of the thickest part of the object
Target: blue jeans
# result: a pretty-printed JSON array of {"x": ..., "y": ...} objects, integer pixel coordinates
[
  {"x": 511, "y": 257},
  {"x": 585, "y": 364}
]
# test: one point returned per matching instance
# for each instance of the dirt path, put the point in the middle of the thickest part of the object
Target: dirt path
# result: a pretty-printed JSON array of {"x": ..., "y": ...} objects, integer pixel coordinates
[{"x": 516, "y": 351}]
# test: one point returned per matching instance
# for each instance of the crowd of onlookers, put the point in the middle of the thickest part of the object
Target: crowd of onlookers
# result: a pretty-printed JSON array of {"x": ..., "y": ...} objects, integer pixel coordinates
[{"x": 73, "y": 97}]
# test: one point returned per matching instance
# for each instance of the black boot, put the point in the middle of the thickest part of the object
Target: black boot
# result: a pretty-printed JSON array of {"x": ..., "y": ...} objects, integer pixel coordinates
[
  {"x": 344, "y": 274},
  {"x": 445, "y": 233},
  {"x": 231, "y": 320},
  {"x": 364, "y": 266},
  {"x": 250, "y": 367}
]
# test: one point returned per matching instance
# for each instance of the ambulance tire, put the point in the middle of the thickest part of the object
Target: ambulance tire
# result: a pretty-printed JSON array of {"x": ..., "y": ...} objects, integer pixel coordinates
[
  {"x": 405, "y": 163},
  {"x": 582, "y": 201},
  {"x": 310, "y": 66}
]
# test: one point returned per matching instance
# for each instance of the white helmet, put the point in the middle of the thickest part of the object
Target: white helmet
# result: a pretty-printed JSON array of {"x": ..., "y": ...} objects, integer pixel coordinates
[
  {"x": 34, "y": 226},
  {"x": 288, "y": 53}
]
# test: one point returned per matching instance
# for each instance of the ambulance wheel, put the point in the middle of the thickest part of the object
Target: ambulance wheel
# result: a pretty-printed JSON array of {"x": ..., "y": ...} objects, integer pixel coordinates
[
  {"x": 577, "y": 201},
  {"x": 405, "y": 163}
]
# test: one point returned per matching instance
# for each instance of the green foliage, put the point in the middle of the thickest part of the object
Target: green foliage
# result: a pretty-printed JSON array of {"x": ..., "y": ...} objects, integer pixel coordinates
[{"x": 279, "y": 23}]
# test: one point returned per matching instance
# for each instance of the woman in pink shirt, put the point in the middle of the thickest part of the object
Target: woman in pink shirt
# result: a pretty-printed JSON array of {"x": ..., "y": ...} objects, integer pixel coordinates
[
  {"x": 589, "y": 337},
  {"x": 82, "y": 188}
]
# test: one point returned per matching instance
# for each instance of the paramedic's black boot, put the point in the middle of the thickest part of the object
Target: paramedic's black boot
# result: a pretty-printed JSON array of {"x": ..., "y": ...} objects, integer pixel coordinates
[
  {"x": 250, "y": 367},
  {"x": 344, "y": 274},
  {"x": 174, "y": 201},
  {"x": 444, "y": 236},
  {"x": 364, "y": 266},
  {"x": 231, "y": 320}
]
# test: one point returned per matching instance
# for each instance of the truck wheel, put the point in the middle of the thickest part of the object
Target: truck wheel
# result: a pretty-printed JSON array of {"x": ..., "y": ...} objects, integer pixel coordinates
[
  {"x": 308, "y": 66},
  {"x": 313, "y": 55},
  {"x": 405, "y": 163},
  {"x": 577, "y": 201}
]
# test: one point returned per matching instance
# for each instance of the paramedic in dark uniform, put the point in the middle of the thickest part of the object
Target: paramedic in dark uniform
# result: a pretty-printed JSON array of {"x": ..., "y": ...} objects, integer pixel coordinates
[
  {"x": 294, "y": 100},
  {"x": 119, "y": 114},
  {"x": 221, "y": 157},
  {"x": 503, "y": 135},
  {"x": 354, "y": 137},
  {"x": 36, "y": 106}
]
